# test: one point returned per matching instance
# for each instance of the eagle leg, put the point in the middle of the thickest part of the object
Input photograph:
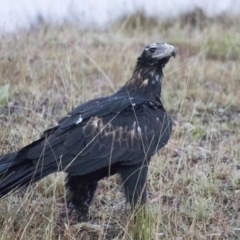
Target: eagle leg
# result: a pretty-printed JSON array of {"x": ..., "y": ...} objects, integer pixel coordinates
[
  {"x": 134, "y": 181},
  {"x": 80, "y": 193}
]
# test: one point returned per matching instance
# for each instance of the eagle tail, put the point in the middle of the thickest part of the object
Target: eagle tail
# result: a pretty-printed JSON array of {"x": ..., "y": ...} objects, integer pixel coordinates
[{"x": 17, "y": 173}]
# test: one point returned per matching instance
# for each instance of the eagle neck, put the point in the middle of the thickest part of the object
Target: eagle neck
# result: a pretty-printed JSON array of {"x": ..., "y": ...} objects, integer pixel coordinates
[{"x": 145, "y": 82}]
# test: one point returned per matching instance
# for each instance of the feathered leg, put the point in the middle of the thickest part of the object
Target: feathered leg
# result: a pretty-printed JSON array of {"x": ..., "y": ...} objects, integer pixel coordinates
[
  {"x": 81, "y": 189},
  {"x": 80, "y": 194},
  {"x": 134, "y": 181}
]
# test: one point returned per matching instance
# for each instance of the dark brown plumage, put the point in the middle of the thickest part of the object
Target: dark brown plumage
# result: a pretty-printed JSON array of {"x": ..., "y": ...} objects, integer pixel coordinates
[{"x": 114, "y": 134}]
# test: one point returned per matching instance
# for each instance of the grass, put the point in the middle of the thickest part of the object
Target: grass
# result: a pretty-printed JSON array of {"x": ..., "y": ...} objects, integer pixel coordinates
[{"x": 193, "y": 183}]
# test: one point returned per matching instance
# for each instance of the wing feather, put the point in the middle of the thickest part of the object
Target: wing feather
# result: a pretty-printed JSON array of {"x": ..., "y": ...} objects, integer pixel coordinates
[{"x": 102, "y": 132}]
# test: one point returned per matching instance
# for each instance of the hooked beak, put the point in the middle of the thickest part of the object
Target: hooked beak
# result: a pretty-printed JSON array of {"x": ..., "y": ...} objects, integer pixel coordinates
[{"x": 164, "y": 51}]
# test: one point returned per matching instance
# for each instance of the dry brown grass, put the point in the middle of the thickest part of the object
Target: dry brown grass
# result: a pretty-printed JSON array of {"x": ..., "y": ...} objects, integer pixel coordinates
[{"x": 193, "y": 184}]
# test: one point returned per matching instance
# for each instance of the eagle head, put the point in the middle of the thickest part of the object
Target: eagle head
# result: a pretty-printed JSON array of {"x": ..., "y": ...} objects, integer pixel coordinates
[{"x": 156, "y": 54}]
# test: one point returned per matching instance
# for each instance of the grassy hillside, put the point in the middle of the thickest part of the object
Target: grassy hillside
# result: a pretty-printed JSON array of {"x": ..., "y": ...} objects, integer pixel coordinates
[{"x": 193, "y": 183}]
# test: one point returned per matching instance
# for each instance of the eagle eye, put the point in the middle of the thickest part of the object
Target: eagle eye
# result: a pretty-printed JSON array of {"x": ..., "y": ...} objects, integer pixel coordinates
[{"x": 152, "y": 50}]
